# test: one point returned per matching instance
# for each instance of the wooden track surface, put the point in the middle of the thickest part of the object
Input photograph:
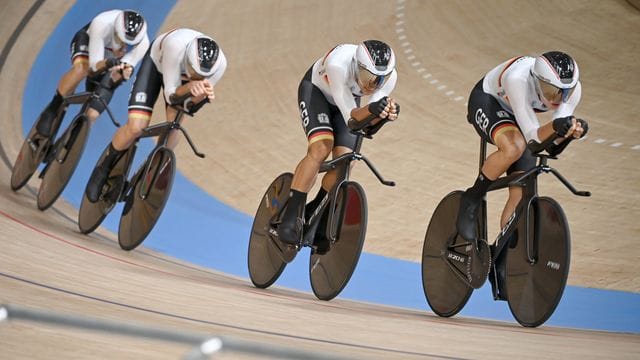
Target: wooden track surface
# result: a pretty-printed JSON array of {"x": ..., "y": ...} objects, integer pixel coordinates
[{"x": 252, "y": 133}]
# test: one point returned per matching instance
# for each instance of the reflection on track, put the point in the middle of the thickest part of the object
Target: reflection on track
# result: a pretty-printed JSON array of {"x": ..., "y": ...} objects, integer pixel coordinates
[{"x": 177, "y": 316}]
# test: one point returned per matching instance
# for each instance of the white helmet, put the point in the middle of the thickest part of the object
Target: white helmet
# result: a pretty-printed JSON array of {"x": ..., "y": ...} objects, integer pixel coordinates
[
  {"x": 373, "y": 63},
  {"x": 130, "y": 27},
  {"x": 201, "y": 55},
  {"x": 555, "y": 76}
]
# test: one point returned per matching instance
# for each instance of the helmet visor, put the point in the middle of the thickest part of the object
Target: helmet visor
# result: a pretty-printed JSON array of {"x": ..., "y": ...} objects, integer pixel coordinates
[
  {"x": 368, "y": 81},
  {"x": 553, "y": 93}
]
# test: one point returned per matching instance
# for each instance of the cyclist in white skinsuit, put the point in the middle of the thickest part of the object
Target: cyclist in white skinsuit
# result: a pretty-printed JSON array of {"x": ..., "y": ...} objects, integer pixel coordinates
[
  {"x": 343, "y": 89},
  {"x": 114, "y": 40},
  {"x": 502, "y": 108},
  {"x": 187, "y": 64},
  {"x": 329, "y": 99}
]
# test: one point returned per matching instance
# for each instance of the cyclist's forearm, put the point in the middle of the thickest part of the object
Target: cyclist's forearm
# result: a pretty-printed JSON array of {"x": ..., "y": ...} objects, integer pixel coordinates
[
  {"x": 182, "y": 93},
  {"x": 545, "y": 131},
  {"x": 361, "y": 113}
]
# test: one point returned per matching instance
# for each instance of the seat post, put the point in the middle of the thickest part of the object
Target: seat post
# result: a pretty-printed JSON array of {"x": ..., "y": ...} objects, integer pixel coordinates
[
  {"x": 482, "y": 231},
  {"x": 483, "y": 153}
]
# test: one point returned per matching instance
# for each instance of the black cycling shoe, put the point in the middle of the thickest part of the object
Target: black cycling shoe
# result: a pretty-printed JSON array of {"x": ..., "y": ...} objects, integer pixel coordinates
[
  {"x": 96, "y": 182},
  {"x": 45, "y": 123},
  {"x": 322, "y": 244},
  {"x": 290, "y": 232},
  {"x": 467, "y": 217}
]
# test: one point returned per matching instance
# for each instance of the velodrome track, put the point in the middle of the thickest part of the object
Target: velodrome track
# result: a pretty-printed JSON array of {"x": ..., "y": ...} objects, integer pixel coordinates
[{"x": 51, "y": 266}]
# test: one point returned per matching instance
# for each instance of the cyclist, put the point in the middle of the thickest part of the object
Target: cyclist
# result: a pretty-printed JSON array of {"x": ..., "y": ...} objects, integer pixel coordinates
[
  {"x": 186, "y": 64},
  {"x": 112, "y": 43},
  {"x": 502, "y": 109},
  {"x": 329, "y": 96}
]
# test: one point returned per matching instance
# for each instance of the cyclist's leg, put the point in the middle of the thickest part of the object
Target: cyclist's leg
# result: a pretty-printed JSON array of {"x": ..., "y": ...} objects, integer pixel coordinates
[
  {"x": 143, "y": 96},
  {"x": 496, "y": 126},
  {"x": 68, "y": 82},
  {"x": 345, "y": 142},
  {"x": 107, "y": 86},
  {"x": 314, "y": 110},
  {"x": 524, "y": 163}
]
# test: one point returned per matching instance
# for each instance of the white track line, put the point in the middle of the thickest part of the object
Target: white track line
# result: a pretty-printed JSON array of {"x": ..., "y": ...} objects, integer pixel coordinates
[{"x": 440, "y": 86}]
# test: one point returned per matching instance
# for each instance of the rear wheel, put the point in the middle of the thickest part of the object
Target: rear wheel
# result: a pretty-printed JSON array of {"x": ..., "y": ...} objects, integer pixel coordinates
[
  {"x": 442, "y": 253},
  {"x": 67, "y": 152},
  {"x": 265, "y": 257},
  {"x": 30, "y": 156},
  {"x": 330, "y": 272},
  {"x": 147, "y": 199},
  {"x": 536, "y": 275}
]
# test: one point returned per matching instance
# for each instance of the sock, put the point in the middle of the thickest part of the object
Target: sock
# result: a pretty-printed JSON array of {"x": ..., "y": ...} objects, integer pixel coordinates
[
  {"x": 295, "y": 206},
  {"x": 480, "y": 187},
  {"x": 55, "y": 103},
  {"x": 313, "y": 205}
]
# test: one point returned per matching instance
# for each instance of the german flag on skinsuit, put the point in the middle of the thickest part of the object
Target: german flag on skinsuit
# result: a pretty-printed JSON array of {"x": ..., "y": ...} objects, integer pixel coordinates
[
  {"x": 501, "y": 128},
  {"x": 320, "y": 134},
  {"x": 141, "y": 114}
]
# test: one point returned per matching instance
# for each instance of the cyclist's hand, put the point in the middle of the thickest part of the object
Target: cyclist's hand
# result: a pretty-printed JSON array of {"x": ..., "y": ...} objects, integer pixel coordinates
[
  {"x": 209, "y": 88},
  {"x": 380, "y": 108},
  {"x": 127, "y": 71},
  {"x": 564, "y": 126},
  {"x": 197, "y": 88},
  {"x": 582, "y": 127},
  {"x": 201, "y": 89},
  {"x": 111, "y": 62},
  {"x": 394, "y": 109}
]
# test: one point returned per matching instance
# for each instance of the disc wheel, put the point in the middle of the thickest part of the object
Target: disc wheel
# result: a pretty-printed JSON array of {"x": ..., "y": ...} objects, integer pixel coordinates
[
  {"x": 92, "y": 214},
  {"x": 330, "y": 272},
  {"x": 30, "y": 156},
  {"x": 145, "y": 203},
  {"x": 67, "y": 152},
  {"x": 534, "y": 288},
  {"x": 264, "y": 257},
  {"x": 444, "y": 288}
]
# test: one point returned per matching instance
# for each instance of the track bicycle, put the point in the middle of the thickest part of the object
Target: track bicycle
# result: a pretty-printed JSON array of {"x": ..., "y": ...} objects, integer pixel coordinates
[
  {"x": 335, "y": 231},
  {"x": 527, "y": 265},
  {"x": 145, "y": 193},
  {"x": 61, "y": 155}
]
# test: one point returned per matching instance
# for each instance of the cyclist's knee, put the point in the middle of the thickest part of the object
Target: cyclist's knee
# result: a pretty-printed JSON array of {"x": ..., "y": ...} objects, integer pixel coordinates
[
  {"x": 80, "y": 68},
  {"x": 320, "y": 150},
  {"x": 513, "y": 147},
  {"x": 134, "y": 127}
]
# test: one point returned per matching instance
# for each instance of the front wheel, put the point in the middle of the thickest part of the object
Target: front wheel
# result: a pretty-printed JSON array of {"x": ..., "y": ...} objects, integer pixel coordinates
[
  {"x": 147, "y": 199},
  {"x": 265, "y": 258},
  {"x": 67, "y": 152},
  {"x": 537, "y": 270},
  {"x": 330, "y": 271}
]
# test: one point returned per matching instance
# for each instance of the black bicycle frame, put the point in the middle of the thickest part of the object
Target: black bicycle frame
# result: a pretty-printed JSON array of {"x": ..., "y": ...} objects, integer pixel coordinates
[
  {"x": 529, "y": 182},
  {"x": 342, "y": 164},
  {"x": 162, "y": 131}
]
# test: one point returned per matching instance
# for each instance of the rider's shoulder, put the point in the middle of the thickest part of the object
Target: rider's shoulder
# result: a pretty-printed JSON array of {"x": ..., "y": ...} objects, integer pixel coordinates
[{"x": 107, "y": 16}]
